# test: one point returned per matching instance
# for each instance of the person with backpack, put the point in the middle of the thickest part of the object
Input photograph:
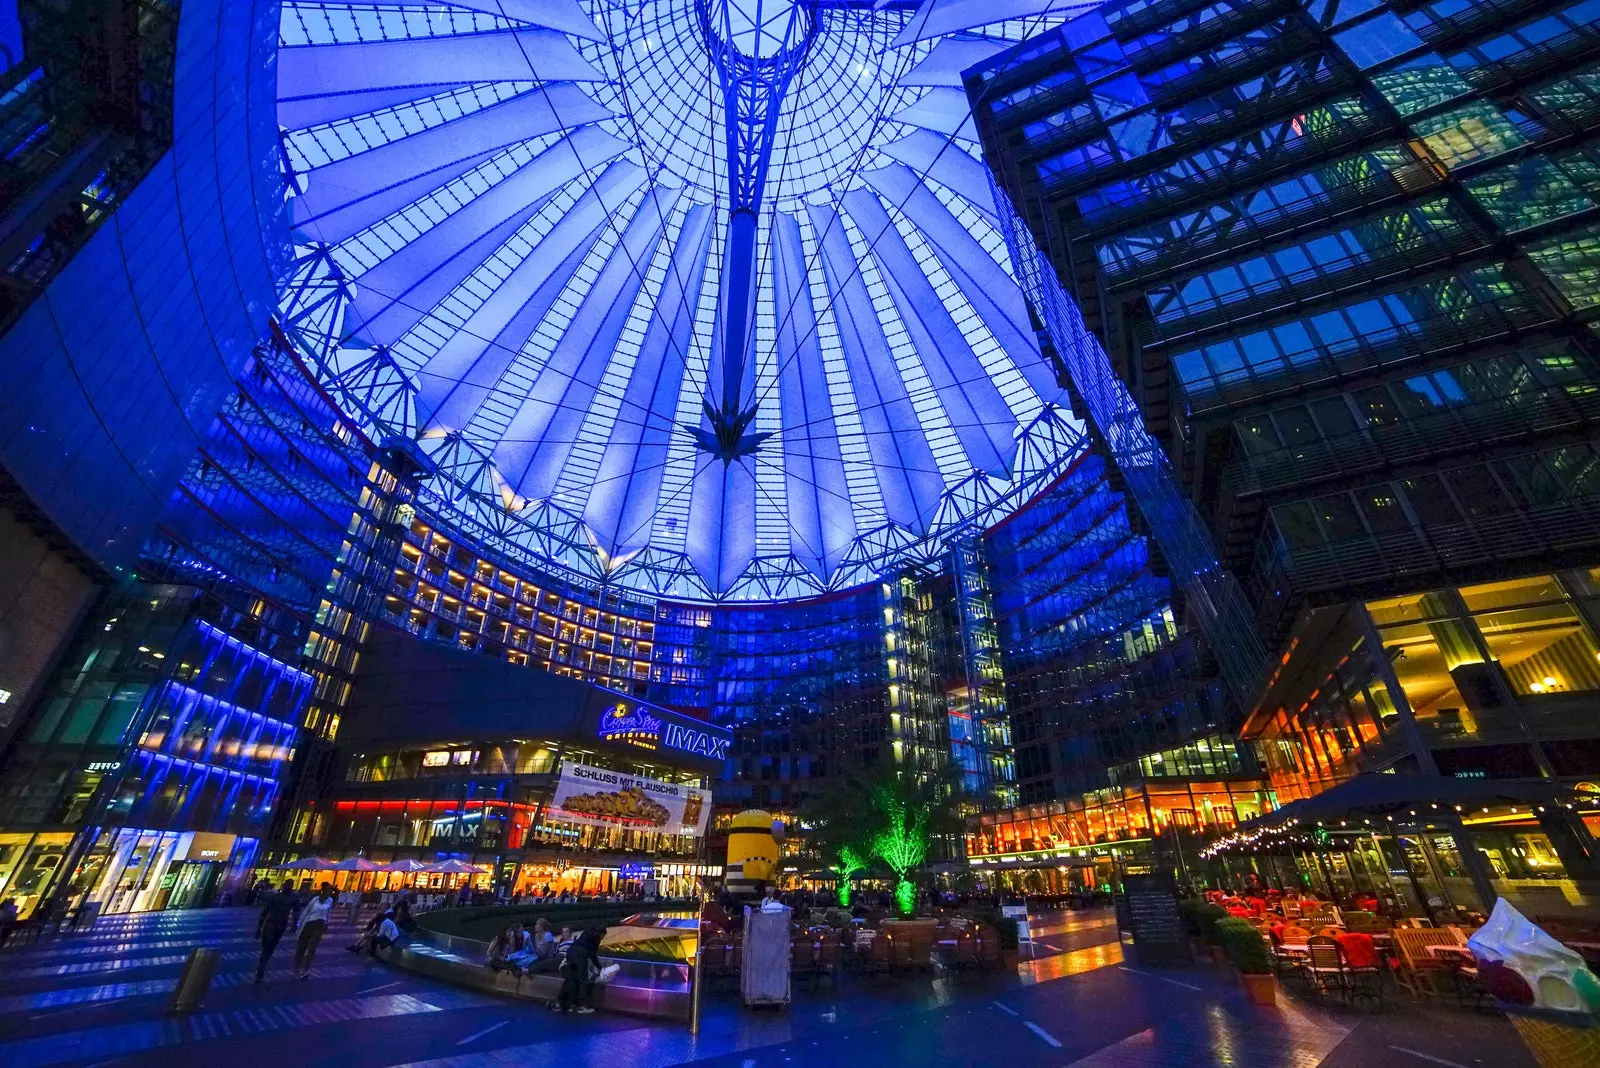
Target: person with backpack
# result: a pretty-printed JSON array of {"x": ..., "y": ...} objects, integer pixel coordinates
[{"x": 277, "y": 910}]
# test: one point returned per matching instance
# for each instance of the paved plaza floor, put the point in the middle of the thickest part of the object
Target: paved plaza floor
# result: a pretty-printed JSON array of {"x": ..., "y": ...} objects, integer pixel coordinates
[{"x": 99, "y": 998}]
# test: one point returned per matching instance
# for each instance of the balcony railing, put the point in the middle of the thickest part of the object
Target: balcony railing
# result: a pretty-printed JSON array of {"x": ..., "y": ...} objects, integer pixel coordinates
[
  {"x": 1438, "y": 336},
  {"x": 1466, "y": 428},
  {"x": 1191, "y": 39},
  {"x": 1417, "y": 551},
  {"x": 1265, "y": 225},
  {"x": 1210, "y": 183},
  {"x": 1391, "y": 261},
  {"x": 1211, "y": 128}
]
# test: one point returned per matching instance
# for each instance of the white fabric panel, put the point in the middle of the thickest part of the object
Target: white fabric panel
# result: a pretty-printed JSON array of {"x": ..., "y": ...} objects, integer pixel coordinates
[
  {"x": 502, "y": 56},
  {"x": 993, "y": 293},
  {"x": 399, "y": 290},
  {"x": 944, "y": 161},
  {"x": 721, "y": 540},
  {"x": 822, "y": 525},
  {"x": 944, "y": 111},
  {"x": 943, "y": 65},
  {"x": 564, "y": 15},
  {"x": 935, "y": 18},
  {"x": 301, "y": 112},
  {"x": 907, "y": 474},
  {"x": 393, "y": 175},
  {"x": 978, "y": 414},
  {"x": 469, "y": 364},
  {"x": 463, "y": 398},
  {"x": 622, "y": 505},
  {"x": 540, "y": 438}
]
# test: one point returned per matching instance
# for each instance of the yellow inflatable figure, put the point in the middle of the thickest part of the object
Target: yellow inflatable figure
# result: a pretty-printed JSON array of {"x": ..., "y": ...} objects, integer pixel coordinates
[{"x": 752, "y": 852}]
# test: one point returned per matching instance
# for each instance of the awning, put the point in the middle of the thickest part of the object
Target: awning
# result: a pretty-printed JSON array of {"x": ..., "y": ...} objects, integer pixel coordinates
[
  {"x": 1379, "y": 794},
  {"x": 1398, "y": 799}
]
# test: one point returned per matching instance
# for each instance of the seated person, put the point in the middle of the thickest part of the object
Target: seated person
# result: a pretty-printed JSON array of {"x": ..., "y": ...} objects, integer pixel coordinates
[
  {"x": 556, "y": 948},
  {"x": 501, "y": 948}
]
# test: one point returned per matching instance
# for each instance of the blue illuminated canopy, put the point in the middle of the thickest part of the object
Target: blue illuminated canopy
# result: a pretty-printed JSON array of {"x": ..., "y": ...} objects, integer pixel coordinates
[{"x": 702, "y": 297}]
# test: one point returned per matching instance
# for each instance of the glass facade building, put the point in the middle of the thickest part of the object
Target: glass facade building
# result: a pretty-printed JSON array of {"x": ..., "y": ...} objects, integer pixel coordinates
[
  {"x": 1338, "y": 254},
  {"x": 1339, "y": 261}
]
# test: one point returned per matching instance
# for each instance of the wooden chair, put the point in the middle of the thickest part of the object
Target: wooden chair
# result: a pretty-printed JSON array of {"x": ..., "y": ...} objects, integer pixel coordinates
[
  {"x": 803, "y": 958},
  {"x": 878, "y": 959},
  {"x": 1324, "y": 967},
  {"x": 719, "y": 959},
  {"x": 963, "y": 956},
  {"x": 1363, "y": 974},
  {"x": 1420, "y": 972},
  {"x": 988, "y": 947},
  {"x": 828, "y": 959},
  {"x": 1284, "y": 963}
]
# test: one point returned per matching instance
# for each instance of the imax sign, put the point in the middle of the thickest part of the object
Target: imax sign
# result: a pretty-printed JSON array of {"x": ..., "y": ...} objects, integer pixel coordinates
[{"x": 694, "y": 740}]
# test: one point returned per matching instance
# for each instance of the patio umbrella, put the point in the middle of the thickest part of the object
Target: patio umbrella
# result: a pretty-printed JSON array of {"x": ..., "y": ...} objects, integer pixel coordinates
[
  {"x": 453, "y": 867},
  {"x": 305, "y": 864},
  {"x": 355, "y": 864},
  {"x": 407, "y": 866}
]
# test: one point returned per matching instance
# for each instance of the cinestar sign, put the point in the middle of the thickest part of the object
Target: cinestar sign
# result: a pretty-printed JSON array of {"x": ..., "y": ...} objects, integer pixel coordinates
[
  {"x": 635, "y": 726},
  {"x": 632, "y": 725}
]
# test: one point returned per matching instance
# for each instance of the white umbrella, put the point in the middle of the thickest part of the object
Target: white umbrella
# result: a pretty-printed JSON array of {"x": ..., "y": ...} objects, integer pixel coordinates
[
  {"x": 305, "y": 864},
  {"x": 355, "y": 864},
  {"x": 408, "y": 866},
  {"x": 453, "y": 867}
]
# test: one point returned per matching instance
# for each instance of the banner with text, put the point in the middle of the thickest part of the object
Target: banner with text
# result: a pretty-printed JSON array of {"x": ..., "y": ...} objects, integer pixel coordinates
[{"x": 598, "y": 797}]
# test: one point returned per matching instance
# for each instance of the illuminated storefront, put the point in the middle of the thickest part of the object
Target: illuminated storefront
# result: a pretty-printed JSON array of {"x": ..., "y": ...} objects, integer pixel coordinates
[
  {"x": 537, "y": 778},
  {"x": 1089, "y": 841}
]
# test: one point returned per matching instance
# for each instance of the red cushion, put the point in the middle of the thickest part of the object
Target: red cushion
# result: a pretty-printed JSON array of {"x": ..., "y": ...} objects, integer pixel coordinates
[{"x": 1359, "y": 951}]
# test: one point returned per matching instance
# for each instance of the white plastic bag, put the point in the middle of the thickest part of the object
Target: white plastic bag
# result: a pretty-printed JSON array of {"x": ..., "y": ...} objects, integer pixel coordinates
[{"x": 1550, "y": 969}]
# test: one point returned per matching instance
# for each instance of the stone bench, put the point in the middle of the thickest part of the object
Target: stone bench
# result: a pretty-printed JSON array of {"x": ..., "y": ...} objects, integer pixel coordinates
[{"x": 638, "y": 995}]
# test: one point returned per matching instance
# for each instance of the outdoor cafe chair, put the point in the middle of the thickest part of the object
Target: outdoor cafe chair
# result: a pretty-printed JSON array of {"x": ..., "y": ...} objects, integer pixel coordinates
[
  {"x": 1421, "y": 973},
  {"x": 803, "y": 957},
  {"x": 828, "y": 958},
  {"x": 1324, "y": 967}
]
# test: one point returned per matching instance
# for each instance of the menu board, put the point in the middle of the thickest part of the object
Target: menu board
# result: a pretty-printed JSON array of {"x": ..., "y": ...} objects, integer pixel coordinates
[{"x": 1148, "y": 908}]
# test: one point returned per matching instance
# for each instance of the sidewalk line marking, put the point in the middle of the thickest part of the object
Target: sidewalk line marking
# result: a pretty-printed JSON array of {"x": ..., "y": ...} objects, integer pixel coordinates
[
  {"x": 373, "y": 989},
  {"x": 1153, "y": 975},
  {"x": 485, "y": 1031},
  {"x": 1427, "y": 1057},
  {"x": 1007, "y": 1009},
  {"x": 1042, "y": 1033}
]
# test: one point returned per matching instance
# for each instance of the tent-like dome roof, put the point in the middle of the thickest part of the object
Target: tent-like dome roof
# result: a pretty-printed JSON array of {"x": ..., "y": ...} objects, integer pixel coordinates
[{"x": 704, "y": 297}]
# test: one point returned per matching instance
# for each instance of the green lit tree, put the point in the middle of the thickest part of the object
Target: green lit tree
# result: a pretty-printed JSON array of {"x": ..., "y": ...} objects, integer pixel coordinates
[
  {"x": 836, "y": 834},
  {"x": 902, "y": 839},
  {"x": 882, "y": 813}
]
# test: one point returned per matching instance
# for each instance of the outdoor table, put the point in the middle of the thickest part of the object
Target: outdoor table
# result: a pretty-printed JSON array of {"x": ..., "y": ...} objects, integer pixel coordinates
[{"x": 1453, "y": 955}]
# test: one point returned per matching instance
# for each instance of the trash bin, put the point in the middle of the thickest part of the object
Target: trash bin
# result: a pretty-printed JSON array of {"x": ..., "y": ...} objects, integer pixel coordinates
[{"x": 194, "y": 982}]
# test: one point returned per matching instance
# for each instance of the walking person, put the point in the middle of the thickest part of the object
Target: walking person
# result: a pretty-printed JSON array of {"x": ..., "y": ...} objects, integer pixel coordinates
[
  {"x": 277, "y": 908},
  {"x": 313, "y": 924}
]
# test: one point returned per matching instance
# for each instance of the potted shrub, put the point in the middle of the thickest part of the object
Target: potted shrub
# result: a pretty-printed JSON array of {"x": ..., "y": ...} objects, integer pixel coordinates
[
  {"x": 1201, "y": 917},
  {"x": 1248, "y": 951}
]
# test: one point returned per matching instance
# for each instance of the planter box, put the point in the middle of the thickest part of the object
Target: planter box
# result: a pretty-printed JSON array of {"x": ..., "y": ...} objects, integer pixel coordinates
[{"x": 1263, "y": 989}]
